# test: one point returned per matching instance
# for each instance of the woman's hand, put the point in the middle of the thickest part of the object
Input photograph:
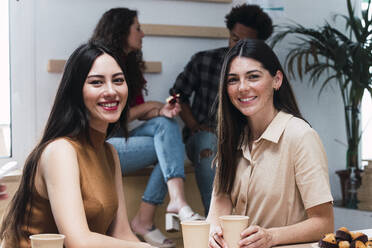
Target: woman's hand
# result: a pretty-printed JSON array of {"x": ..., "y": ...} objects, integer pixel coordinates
[
  {"x": 256, "y": 237},
  {"x": 216, "y": 238},
  {"x": 170, "y": 110}
]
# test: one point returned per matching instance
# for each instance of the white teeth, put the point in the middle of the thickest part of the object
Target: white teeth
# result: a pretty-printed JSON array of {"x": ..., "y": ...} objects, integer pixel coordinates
[
  {"x": 246, "y": 99},
  {"x": 109, "y": 105}
]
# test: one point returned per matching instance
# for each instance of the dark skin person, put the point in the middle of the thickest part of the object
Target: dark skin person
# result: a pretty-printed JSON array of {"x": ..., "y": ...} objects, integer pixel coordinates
[{"x": 238, "y": 32}]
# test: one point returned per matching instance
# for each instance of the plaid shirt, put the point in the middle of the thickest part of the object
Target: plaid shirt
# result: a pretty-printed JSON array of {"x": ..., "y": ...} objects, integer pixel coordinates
[{"x": 202, "y": 75}]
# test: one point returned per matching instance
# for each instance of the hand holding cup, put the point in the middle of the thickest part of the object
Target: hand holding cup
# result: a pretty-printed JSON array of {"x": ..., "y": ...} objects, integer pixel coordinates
[{"x": 232, "y": 227}]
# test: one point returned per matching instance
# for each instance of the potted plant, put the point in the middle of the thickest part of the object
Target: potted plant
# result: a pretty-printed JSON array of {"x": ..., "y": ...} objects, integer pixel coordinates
[{"x": 344, "y": 58}]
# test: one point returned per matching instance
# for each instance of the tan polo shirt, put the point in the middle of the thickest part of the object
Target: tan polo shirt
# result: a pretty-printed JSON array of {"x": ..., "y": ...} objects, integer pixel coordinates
[{"x": 285, "y": 173}]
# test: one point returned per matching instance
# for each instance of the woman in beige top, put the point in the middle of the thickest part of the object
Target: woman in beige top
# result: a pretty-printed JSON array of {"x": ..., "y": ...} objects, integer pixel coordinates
[
  {"x": 71, "y": 181},
  {"x": 271, "y": 165}
]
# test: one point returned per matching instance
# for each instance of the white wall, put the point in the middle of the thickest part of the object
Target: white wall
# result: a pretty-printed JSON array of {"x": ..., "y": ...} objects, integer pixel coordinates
[
  {"x": 325, "y": 113},
  {"x": 57, "y": 27}
]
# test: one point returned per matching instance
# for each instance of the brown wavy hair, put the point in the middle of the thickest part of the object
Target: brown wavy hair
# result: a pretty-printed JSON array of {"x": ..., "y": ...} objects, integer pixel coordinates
[
  {"x": 231, "y": 123},
  {"x": 113, "y": 30}
]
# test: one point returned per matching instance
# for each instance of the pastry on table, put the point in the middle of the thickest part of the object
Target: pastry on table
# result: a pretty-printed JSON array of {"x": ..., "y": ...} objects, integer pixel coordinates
[
  {"x": 343, "y": 234},
  {"x": 369, "y": 244},
  {"x": 359, "y": 236},
  {"x": 344, "y": 244},
  {"x": 329, "y": 241},
  {"x": 357, "y": 244}
]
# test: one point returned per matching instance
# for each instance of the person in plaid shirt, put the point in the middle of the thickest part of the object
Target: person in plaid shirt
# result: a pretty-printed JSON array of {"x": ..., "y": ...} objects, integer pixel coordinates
[{"x": 201, "y": 77}]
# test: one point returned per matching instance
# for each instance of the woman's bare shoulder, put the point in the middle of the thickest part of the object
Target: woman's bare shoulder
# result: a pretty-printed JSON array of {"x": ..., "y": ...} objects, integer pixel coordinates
[{"x": 57, "y": 152}]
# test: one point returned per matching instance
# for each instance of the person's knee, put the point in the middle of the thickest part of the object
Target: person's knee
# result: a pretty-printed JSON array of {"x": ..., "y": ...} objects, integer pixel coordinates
[
  {"x": 205, "y": 153},
  {"x": 165, "y": 122}
]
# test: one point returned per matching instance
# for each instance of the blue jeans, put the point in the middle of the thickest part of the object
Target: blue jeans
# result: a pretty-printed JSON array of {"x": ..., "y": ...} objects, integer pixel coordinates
[
  {"x": 204, "y": 172},
  {"x": 157, "y": 141}
]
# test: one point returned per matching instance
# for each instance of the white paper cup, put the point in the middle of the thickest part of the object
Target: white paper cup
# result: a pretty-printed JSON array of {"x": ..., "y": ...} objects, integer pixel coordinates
[
  {"x": 232, "y": 226},
  {"x": 47, "y": 240},
  {"x": 195, "y": 234}
]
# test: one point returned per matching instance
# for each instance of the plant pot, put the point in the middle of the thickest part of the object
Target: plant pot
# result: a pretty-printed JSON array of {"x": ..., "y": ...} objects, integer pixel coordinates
[{"x": 344, "y": 176}]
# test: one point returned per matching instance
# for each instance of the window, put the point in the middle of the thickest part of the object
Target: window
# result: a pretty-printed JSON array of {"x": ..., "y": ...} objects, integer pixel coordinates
[
  {"x": 366, "y": 116},
  {"x": 367, "y": 126},
  {"x": 5, "y": 123}
]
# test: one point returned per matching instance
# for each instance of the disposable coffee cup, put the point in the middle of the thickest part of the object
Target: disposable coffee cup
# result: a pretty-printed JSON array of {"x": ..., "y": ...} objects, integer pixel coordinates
[
  {"x": 47, "y": 240},
  {"x": 232, "y": 227},
  {"x": 195, "y": 234}
]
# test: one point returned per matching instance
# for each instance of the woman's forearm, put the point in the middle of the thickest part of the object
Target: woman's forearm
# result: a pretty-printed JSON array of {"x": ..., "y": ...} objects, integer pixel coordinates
[
  {"x": 220, "y": 205},
  {"x": 312, "y": 229},
  {"x": 96, "y": 240},
  {"x": 143, "y": 111}
]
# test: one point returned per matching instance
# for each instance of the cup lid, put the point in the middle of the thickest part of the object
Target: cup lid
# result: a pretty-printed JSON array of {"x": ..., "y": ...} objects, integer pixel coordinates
[
  {"x": 234, "y": 217},
  {"x": 47, "y": 236},
  {"x": 194, "y": 222}
]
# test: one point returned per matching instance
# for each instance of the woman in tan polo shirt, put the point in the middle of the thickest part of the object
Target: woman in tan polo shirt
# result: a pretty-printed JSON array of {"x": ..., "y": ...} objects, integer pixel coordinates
[
  {"x": 71, "y": 181},
  {"x": 271, "y": 165}
]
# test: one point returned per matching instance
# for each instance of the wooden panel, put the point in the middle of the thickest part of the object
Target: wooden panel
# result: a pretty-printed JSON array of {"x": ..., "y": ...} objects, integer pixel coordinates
[
  {"x": 185, "y": 31},
  {"x": 153, "y": 67},
  {"x": 56, "y": 66},
  {"x": 134, "y": 187},
  {"x": 12, "y": 183}
]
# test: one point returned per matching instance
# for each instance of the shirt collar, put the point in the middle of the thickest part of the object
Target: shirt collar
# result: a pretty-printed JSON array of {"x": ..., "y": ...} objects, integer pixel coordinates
[
  {"x": 276, "y": 127},
  {"x": 272, "y": 132}
]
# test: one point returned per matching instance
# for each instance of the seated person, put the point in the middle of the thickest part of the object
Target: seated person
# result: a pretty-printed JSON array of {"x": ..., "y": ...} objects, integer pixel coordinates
[
  {"x": 71, "y": 181},
  {"x": 271, "y": 165},
  {"x": 201, "y": 77},
  {"x": 156, "y": 141}
]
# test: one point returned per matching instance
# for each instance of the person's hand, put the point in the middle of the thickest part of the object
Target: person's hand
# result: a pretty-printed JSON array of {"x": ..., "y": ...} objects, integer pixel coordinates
[
  {"x": 170, "y": 110},
  {"x": 216, "y": 238},
  {"x": 3, "y": 193},
  {"x": 256, "y": 237}
]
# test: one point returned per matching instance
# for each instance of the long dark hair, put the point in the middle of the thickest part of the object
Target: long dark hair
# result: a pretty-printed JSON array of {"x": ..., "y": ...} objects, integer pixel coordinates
[
  {"x": 231, "y": 122},
  {"x": 68, "y": 117},
  {"x": 113, "y": 30}
]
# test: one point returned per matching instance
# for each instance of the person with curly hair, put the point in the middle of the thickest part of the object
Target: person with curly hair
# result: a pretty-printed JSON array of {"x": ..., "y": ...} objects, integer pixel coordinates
[
  {"x": 155, "y": 141},
  {"x": 200, "y": 78}
]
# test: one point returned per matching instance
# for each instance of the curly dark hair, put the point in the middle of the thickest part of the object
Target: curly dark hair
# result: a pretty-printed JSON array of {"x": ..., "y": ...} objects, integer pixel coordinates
[
  {"x": 251, "y": 16},
  {"x": 113, "y": 30}
]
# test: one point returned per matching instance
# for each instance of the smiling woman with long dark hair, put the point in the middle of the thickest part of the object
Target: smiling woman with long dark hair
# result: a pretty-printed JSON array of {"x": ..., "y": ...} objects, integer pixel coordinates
[
  {"x": 71, "y": 182},
  {"x": 271, "y": 165},
  {"x": 157, "y": 140}
]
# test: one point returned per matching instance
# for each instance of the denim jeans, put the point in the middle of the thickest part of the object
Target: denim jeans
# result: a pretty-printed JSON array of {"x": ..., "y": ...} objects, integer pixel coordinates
[
  {"x": 157, "y": 141},
  {"x": 204, "y": 172}
]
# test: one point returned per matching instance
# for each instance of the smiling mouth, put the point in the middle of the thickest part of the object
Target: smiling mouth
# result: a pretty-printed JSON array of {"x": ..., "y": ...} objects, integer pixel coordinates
[
  {"x": 247, "y": 99},
  {"x": 109, "y": 105}
]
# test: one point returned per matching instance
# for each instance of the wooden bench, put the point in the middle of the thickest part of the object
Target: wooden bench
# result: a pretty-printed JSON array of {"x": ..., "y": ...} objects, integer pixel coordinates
[{"x": 134, "y": 185}]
